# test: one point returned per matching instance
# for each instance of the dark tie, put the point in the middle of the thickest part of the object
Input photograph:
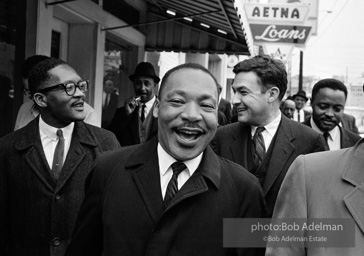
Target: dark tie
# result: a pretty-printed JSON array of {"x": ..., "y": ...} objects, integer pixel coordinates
[
  {"x": 58, "y": 155},
  {"x": 298, "y": 117},
  {"x": 106, "y": 103},
  {"x": 259, "y": 147},
  {"x": 326, "y": 136},
  {"x": 142, "y": 114},
  {"x": 172, "y": 188}
]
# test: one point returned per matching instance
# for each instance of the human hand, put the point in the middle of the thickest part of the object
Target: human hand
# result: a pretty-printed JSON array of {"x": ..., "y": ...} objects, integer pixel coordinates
[{"x": 131, "y": 104}]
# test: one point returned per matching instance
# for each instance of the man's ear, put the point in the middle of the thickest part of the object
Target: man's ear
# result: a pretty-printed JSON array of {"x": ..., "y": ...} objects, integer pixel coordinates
[
  {"x": 40, "y": 99},
  {"x": 156, "y": 108},
  {"x": 273, "y": 94}
]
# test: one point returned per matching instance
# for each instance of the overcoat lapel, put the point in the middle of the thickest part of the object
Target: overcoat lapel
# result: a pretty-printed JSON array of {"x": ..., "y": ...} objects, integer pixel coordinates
[
  {"x": 144, "y": 165},
  {"x": 30, "y": 144},
  {"x": 81, "y": 138},
  {"x": 134, "y": 125},
  {"x": 209, "y": 168},
  {"x": 282, "y": 151},
  {"x": 354, "y": 174},
  {"x": 345, "y": 140}
]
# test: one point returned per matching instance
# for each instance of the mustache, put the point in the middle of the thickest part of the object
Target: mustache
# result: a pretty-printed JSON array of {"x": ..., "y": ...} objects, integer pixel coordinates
[
  {"x": 331, "y": 119},
  {"x": 189, "y": 125}
]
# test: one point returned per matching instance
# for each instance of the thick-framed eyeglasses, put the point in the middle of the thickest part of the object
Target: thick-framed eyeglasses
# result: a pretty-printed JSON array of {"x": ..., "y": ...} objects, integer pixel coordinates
[{"x": 69, "y": 88}]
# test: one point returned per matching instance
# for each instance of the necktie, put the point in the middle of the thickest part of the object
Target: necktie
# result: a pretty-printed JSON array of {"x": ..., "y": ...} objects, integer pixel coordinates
[
  {"x": 106, "y": 103},
  {"x": 259, "y": 147},
  {"x": 172, "y": 188},
  {"x": 298, "y": 117},
  {"x": 326, "y": 136},
  {"x": 58, "y": 155},
  {"x": 142, "y": 114}
]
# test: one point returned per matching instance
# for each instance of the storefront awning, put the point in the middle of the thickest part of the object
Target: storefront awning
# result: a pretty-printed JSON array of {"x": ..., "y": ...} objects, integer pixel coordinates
[{"x": 201, "y": 26}]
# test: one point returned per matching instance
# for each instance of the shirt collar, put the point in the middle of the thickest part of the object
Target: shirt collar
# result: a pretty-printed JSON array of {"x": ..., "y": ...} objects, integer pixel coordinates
[
  {"x": 150, "y": 103},
  {"x": 166, "y": 160},
  {"x": 51, "y": 132},
  {"x": 271, "y": 128},
  {"x": 333, "y": 133}
]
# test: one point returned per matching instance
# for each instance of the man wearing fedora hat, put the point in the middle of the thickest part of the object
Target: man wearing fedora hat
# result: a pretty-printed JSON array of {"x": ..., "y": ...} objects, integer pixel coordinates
[
  {"x": 134, "y": 122},
  {"x": 300, "y": 99}
]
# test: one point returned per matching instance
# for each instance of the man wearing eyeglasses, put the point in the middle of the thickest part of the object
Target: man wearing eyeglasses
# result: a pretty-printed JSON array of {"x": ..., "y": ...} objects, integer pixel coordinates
[
  {"x": 29, "y": 110},
  {"x": 43, "y": 166}
]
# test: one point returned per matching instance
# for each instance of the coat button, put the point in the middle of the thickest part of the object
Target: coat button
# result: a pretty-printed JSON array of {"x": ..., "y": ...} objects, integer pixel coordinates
[
  {"x": 58, "y": 197},
  {"x": 56, "y": 241}
]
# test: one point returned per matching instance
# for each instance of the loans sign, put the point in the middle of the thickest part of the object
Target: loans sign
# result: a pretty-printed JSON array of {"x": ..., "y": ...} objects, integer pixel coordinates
[
  {"x": 280, "y": 33},
  {"x": 278, "y": 23}
]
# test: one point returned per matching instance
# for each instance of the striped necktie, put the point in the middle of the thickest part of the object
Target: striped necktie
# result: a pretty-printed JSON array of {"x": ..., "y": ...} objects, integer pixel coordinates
[
  {"x": 172, "y": 188},
  {"x": 259, "y": 146}
]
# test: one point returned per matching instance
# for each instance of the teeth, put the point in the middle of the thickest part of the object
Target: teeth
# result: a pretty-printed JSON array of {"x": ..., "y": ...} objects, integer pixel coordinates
[{"x": 189, "y": 132}]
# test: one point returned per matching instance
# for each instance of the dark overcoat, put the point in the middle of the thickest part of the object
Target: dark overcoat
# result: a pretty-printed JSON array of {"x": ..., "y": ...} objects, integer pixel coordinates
[
  {"x": 37, "y": 213},
  {"x": 126, "y": 128},
  {"x": 123, "y": 212}
]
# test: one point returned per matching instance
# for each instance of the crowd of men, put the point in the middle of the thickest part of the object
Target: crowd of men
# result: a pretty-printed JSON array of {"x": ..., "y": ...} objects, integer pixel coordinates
[{"x": 170, "y": 165}]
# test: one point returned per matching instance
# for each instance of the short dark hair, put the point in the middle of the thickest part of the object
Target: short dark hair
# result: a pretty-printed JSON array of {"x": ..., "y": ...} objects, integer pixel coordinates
[
  {"x": 271, "y": 72},
  {"x": 186, "y": 66},
  {"x": 328, "y": 83},
  {"x": 29, "y": 63},
  {"x": 39, "y": 75}
]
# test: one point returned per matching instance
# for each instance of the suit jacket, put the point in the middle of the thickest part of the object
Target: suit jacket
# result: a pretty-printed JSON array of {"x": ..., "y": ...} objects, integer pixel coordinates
[
  {"x": 123, "y": 212},
  {"x": 291, "y": 140},
  {"x": 324, "y": 185},
  {"x": 37, "y": 213},
  {"x": 127, "y": 128},
  {"x": 225, "y": 107},
  {"x": 349, "y": 123},
  {"x": 348, "y": 138},
  {"x": 108, "y": 111}
]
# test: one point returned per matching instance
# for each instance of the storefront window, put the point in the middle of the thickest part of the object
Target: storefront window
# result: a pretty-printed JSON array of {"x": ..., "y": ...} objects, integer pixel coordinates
[{"x": 118, "y": 58}]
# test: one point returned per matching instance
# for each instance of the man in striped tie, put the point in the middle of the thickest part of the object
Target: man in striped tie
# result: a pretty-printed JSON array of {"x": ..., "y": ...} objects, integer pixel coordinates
[
  {"x": 264, "y": 141},
  {"x": 169, "y": 196}
]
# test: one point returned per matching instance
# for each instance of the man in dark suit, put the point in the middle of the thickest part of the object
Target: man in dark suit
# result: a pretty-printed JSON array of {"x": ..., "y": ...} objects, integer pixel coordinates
[
  {"x": 110, "y": 100},
  {"x": 300, "y": 114},
  {"x": 328, "y": 103},
  {"x": 134, "y": 122},
  {"x": 43, "y": 166},
  {"x": 264, "y": 141},
  {"x": 137, "y": 205}
]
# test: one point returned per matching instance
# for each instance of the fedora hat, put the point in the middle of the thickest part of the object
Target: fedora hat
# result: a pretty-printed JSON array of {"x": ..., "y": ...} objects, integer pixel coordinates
[
  {"x": 145, "y": 69},
  {"x": 300, "y": 94}
]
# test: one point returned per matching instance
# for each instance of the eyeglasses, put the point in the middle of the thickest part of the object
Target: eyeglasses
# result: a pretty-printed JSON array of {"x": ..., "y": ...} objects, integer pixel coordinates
[{"x": 69, "y": 88}]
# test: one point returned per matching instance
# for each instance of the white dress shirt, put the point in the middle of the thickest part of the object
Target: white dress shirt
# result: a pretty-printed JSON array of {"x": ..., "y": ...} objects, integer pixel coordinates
[
  {"x": 302, "y": 115},
  {"x": 50, "y": 139},
  {"x": 334, "y": 140},
  {"x": 269, "y": 132},
  {"x": 165, "y": 169},
  {"x": 148, "y": 107}
]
